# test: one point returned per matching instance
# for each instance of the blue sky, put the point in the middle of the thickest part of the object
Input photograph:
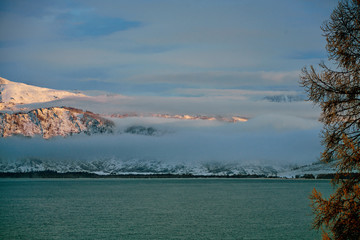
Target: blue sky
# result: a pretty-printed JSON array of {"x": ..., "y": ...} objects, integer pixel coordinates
[{"x": 161, "y": 48}]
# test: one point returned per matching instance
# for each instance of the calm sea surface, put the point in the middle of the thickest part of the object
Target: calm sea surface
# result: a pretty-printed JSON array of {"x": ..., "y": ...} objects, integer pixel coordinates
[{"x": 157, "y": 208}]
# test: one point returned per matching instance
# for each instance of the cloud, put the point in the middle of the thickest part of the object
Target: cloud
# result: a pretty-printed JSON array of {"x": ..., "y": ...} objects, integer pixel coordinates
[
  {"x": 85, "y": 23},
  {"x": 24, "y": 30},
  {"x": 186, "y": 142},
  {"x": 241, "y": 94},
  {"x": 238, "y": 103},
  {"x": 221, "y": 79},
  {"x": 308, "y": 55},
  {"x": 209, "y": 43}
]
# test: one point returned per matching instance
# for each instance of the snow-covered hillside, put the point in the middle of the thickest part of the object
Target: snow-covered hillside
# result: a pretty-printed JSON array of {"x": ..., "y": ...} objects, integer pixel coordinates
[
  {"x": 116, "y": 166},
  {"x": 13, "y": 93}
]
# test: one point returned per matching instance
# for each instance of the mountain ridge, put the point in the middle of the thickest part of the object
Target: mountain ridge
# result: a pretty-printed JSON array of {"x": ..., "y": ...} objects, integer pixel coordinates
[{"x": 109, "y": 167}]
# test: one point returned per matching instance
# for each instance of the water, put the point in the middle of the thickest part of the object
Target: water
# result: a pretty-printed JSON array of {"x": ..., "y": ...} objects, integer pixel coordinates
[{"x": 157, "y": 208}]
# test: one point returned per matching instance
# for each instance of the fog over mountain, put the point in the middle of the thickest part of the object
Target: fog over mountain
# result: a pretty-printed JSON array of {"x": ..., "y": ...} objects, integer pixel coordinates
[
  {"x": 148, "y": 138},
  {"x": 178, "y": 144}
]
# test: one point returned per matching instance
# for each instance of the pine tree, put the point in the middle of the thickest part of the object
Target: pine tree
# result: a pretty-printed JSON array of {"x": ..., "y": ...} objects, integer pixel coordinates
[{"x": 337, "y": 92}]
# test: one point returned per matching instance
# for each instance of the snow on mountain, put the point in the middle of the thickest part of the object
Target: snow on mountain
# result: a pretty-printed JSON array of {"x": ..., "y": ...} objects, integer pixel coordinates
[
  {"x": 54, "y": 121},
  {"x": 232, "y": 119},
  {"x": 13, "y": 93},
  {"x": 316, "y": 168}
]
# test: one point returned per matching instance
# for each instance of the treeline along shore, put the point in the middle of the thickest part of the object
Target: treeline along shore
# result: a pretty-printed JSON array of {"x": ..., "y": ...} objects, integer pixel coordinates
[{"x": 54, "y": 174}]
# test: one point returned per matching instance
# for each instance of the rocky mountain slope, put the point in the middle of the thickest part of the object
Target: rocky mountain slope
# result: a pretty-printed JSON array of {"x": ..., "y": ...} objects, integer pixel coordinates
[{"x": 53, "y": 121}]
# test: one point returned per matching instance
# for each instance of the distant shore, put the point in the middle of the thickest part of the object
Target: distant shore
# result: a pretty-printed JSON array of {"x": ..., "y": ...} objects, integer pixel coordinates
[{"x": 54, "y": 174}]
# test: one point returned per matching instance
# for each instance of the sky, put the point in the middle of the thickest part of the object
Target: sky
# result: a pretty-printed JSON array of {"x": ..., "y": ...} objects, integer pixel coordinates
[
  {"x": 208, "y": 57},
  {"x": 161, "y": 47}
]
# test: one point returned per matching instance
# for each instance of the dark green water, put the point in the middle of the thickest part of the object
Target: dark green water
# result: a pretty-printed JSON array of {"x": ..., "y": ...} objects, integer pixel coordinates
[{"x": 157, "y": 208}]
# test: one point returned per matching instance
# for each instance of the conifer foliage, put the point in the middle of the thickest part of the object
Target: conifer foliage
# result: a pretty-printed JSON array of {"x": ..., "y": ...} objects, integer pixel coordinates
[{"x": 337, "y": 92}]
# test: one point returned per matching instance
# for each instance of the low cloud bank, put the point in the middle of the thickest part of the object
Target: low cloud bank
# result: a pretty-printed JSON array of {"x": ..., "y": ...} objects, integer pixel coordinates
[
  {"x": 209, "y": 102},
  {"x": 266, "y": 140}
]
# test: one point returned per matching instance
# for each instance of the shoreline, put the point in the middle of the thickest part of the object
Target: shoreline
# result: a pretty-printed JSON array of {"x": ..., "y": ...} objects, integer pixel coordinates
[{"x": 54, "y": 174}]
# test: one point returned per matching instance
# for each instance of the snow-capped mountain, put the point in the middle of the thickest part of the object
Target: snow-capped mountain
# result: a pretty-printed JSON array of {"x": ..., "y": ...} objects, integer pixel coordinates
[
  {"x": 45, "y": 121},
  {"x": 54, "y": 121},
  {"x": 13, "y": 93}
]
